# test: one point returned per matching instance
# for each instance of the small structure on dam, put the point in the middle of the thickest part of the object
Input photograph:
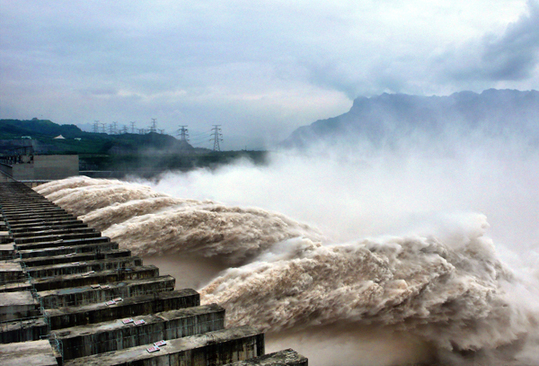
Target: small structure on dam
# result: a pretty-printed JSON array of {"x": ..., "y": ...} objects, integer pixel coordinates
[
  {"x": 32, "y": 167},
  {"x": 69, "y": 296}
]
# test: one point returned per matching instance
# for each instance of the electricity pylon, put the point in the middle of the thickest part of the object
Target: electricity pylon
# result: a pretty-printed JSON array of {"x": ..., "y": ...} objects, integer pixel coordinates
[
  {"x": 153, "y": 127},
  {"x": 217, "y": 136},
  {"x": 183, "y": 132}
]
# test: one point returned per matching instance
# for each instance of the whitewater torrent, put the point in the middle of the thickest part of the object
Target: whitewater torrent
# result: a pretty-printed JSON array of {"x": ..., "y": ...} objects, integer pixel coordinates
[
  {"x": 137, "y": 217},
  {"x": 384, "y": 300}
]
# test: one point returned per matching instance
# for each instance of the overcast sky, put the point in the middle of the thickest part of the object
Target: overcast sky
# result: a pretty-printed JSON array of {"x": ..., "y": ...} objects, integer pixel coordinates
[{"x": 260, "y": 69}]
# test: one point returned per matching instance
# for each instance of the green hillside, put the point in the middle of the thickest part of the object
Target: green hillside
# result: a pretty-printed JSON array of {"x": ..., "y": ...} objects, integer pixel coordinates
[
  {"x": 81, "y": 142},
  {"x": 13, "y": 128}
]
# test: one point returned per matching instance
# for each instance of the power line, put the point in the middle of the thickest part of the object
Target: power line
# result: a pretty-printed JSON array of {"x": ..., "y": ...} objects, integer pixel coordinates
[
  {"x": 199, "y": 138},
  {"x": 200, "y": 133}
]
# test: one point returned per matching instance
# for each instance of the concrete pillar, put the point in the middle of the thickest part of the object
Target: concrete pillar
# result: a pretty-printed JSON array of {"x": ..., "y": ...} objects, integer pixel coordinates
[
  {"x": 82, "y": 267},
  {"x": 23, "y": 330},
  {"x": 116, "y": 335},
  {"x": 287, "y": 357},
  {"x": 87, "y": 279},
  {"x": 17, "y": 305},
  {"x": 98, "y": 246},
  {"x": 38, "y": 353},
  {"x": 141, "y": 305},
  {"x": 96, "y": 292},
  {"x": 213, "y": 348}
]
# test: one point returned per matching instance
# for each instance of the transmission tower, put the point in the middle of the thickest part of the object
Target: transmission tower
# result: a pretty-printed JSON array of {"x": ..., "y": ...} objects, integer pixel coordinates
[
  {"x": 115, "y": 127},
  {"x": 132, "y": 126},
  {"x": 103, "y": 126},
  {"x": 124, "y": 129},
  {"x": 153, "y": 126},
  {"x": 183, "y": 133},
  {"x": 96, "y": 126},
  {"x": 217, "y": 136},
  {"x": 161, "y": 131}
]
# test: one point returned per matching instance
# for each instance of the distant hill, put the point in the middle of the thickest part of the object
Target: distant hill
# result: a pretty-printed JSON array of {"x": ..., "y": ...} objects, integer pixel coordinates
[
  {"x": 105, "y": 155},
  {"x": 394, "y": 119},
  {"x": 14, "y": 128},
  {"x": 42, "y": 133}
]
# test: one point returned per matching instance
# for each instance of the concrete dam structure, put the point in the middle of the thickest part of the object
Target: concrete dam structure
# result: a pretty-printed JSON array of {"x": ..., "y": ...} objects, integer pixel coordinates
[{"x": 69, "y": 296}]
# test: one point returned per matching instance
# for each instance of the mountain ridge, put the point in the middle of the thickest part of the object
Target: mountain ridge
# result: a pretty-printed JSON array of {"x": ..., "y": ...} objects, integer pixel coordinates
[{"x": 388, "y": 118}]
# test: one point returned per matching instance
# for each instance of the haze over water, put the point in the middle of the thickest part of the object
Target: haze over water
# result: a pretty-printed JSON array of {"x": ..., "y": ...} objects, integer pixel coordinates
[{"x": 379, "y": 258}]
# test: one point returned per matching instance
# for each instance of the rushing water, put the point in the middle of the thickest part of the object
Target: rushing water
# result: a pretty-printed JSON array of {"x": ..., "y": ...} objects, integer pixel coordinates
[{"x": 391, "y": 261}]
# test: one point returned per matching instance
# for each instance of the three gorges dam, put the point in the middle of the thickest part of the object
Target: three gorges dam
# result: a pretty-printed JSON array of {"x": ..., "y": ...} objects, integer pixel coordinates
[{"x": 69, "y": 296}]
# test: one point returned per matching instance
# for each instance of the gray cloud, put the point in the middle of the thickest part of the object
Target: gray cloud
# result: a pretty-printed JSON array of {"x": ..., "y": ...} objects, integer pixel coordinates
[
  {"x": 259, "y": 69},
  {"x": 515, "y": 55},
  {"x": 511, "y": 56}
]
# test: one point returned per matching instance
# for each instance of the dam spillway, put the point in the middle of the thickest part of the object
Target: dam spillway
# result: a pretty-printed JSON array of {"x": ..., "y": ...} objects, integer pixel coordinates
[{"x": 69, "y": 296}]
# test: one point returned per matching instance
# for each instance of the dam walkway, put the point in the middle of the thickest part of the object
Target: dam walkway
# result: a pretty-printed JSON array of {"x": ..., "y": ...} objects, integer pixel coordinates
[{"x": 70, "y": 296}]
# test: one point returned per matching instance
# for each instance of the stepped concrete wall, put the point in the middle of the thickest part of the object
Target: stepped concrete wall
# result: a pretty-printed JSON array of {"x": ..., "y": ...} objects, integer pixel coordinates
[{"x": 69, "y": 296}]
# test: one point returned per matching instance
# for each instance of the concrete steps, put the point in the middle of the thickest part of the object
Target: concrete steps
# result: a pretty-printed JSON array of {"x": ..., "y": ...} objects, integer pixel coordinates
[
  {"x": 37, "y": 353},
  {"x": 10, "y": 272},
  {"x": 37, "y": 223},
  {"x": 287, "y": 357},
  {"x": 61, "y": 243},
  {"x": 45, "y": 238},
  {"x": 61, "y": 269},
  {"x": 49, "y": 216},
  {"x": 95, "y": 293},
  {"x": 18, "y": 236},
  {"x": 22, "y": 285},
  {"x": 140, "y": 305},
  {"x": 213, "y": 348},
  {"x": 102, "y": 277},
  {"x": 66, "y": 225},
  {"x": 96, "y": 304},
  {"x": 16, "y": 214},
  {"x": 75, "y": 257},
  {"x": 119, "y": 334},
  {"x": 23, "y": 330},
  {"x": 18, "y": 305},
  {"x": 93, "y": 247}
]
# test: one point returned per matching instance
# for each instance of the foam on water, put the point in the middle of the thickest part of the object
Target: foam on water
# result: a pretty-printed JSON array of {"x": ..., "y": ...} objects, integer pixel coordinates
[{"x": 437, "y": 294}]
